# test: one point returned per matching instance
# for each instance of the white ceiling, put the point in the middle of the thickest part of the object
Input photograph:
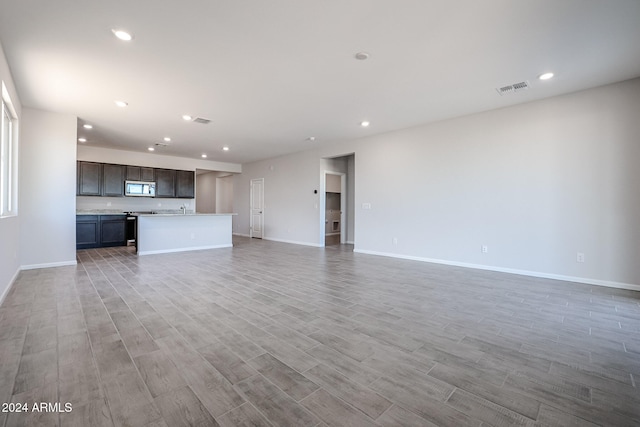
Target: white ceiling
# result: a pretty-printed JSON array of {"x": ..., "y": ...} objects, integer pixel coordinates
[{"x": 270, "y": 74}]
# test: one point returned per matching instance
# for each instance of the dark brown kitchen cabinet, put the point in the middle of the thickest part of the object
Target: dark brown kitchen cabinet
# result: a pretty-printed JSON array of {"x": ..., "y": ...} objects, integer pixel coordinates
[
  {"x": 113, "y": 180},
  {"x": 87, "y": 231},
  {"x": 165, "y": 183},
  {"x": 89, "y": 179},
  {"x": 113, "y": 230},
  {"x": 138, "y": 173},
  {"x": 147, "y": 174},
  {"x": 99, "y": 231},
  {"x": 103, "y": 179},
  {"x": 185, "y": 184}
]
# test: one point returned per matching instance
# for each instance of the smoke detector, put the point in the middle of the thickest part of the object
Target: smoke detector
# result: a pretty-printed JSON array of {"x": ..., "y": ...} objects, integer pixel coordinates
[{"x": 516, "y": 87}]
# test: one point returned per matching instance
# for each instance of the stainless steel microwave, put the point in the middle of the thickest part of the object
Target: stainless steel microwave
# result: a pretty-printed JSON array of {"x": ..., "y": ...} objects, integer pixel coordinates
[{"x": 140, "y": 188}]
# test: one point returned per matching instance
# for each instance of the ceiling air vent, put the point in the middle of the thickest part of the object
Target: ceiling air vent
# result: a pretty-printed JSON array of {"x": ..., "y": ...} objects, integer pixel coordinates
[
  {"x": 201, "y": 120},
  {"x": 516, "y": 87}
]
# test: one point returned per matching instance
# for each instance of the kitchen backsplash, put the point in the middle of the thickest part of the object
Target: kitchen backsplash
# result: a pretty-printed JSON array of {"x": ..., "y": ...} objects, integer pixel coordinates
[{"x": 132, "y": 204}]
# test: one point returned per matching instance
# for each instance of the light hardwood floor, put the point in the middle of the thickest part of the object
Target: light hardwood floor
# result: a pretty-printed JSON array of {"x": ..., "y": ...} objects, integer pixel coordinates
[{"x": 274, "y": 334}]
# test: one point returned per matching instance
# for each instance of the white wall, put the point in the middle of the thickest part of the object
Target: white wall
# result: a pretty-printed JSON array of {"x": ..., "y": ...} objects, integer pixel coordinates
[
  {"x": 206, "y": 192},
  {"x": 333, "y": 183},
  {"x": 107, "y": 155},
  {"x": 9, "y": 226},
  {"x": 224, "y": 194},
  {"x": 536, "y": 183},
  {"x": 290, "y": 206},
  {"x": 47, "y": 189}
]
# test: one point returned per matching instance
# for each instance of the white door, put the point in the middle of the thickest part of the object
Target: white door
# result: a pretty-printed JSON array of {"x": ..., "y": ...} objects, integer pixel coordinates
[{"x": 257, "y": 208}]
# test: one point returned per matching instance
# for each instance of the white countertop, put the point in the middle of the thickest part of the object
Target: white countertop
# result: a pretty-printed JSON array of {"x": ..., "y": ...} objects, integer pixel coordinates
[
  {"x": 187, "y": 214},
  {"x": 99, "y": 212},
  {"x": 157, "y": 213}
]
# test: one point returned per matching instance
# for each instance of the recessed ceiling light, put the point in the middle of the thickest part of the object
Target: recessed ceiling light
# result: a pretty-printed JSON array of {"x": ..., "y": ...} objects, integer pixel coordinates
[
  {"x": 225, "y": 148},
  {"x": 204, "y": 156},
  {"x": 361, "y": 56},
  {"x": 167, "y": 139},
  {"x": 364, "y": 124},
  {"x": 87, "y": 126},
  {"x": 545, "y": 76},
  {"x": 187, "y": 117},
  {"x": 121, "y": 104},
  {"x": 82, "y": 139},
  {"x": 122, "y": 35},
  {"x": 151, "y": 149}
]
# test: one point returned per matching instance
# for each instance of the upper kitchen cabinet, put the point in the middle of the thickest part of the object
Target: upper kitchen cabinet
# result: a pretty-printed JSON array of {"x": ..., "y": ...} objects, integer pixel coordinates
[
  {"x": 89, "y": 179},
  {"x": 113, "y": 180},
  {"x": 165, "y": 183},
  {"x": 138, "y": 173},
  {"x": 185, "y": 183}
]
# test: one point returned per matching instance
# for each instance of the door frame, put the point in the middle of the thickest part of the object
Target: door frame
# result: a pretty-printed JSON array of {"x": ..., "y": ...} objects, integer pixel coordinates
[
  {"x": 251, "y": 207},
  {"x": 323, "y": 205}
]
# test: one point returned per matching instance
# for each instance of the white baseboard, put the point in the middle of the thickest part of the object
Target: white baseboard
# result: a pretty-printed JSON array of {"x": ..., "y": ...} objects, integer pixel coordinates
[
  {"x": 350, "y": 242},
  {"x": 293, "y": 242},
  {"x": 9, "y": 286},
  {"x": 48, "y": 265},
  {"x": 585, "y": 280},
  {"x": 241, "y": 234},
  {"x": 194, "y": 248}
]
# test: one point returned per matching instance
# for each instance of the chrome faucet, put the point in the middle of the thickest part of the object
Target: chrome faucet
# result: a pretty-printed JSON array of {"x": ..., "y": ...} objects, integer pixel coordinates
[{"x": 183, "y": 208}]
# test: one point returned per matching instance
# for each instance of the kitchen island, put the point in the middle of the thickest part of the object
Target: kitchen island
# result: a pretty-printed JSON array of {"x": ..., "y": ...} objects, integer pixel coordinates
[{"x": 162, "y": 233}]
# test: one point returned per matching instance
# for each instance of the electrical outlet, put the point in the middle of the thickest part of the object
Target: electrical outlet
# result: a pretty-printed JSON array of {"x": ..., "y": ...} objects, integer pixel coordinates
[
  {"x": 580, "y": 257},
  {"x": 485, "y": 249},
  {"x": 193, "y": 236},
  {"x": 366, "y": 206},
  {"x": 395, "y": 241}
]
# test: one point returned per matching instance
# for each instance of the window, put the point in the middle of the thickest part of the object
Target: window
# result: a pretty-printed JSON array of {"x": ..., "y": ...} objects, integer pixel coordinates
[{"x": 8, "y": 146}]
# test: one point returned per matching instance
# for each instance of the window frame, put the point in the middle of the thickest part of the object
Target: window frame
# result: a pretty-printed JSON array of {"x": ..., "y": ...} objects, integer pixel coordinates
[{"x": 8, "y": 156}]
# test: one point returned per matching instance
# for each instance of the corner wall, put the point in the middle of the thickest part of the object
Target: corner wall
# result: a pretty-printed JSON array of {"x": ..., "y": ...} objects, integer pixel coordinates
[
  {"x": 536, "y": 183},
  {"x": 291, "y": 209},
  {"x": 206, "y": 192},
  {"x": 47, "y": 189}
]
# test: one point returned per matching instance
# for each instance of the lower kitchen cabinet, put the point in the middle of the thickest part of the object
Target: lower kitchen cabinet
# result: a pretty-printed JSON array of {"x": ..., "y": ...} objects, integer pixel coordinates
[
  {"x": 87, "y": 231},
  {"x": 113, "y": 230},
  {"x": 100, "y": 231}
]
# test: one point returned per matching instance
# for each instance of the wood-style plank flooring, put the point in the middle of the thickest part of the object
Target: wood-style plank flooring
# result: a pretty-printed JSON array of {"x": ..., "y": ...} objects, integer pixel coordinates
[{"x": 271, "y": 334}]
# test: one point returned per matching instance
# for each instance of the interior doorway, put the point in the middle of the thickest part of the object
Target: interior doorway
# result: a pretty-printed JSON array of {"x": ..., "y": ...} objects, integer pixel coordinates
[
  {"x": 256, "y": 225},
  {"x": 336, "y": 201},
  {"x": 335, "y": 192}
]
